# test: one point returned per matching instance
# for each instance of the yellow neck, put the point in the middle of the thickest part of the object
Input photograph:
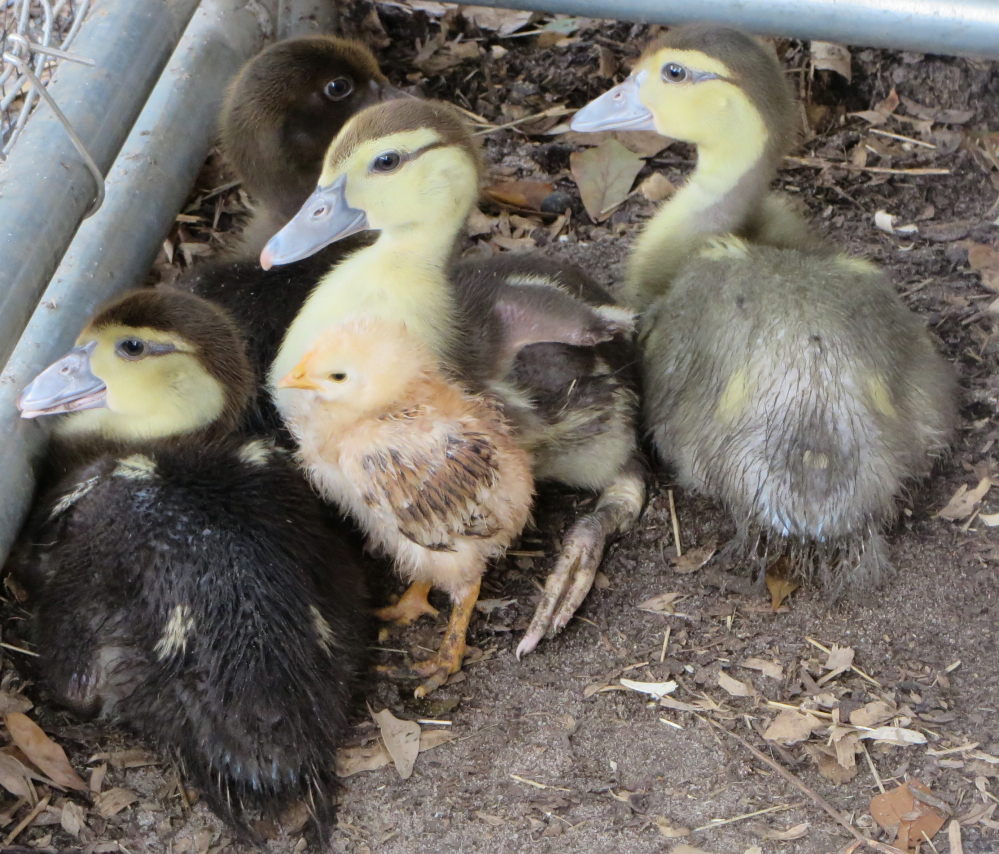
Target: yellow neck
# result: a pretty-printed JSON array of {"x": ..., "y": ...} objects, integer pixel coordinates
[
  {"x": 732, "y": 177},
  {"x": 401, "y": 278}
]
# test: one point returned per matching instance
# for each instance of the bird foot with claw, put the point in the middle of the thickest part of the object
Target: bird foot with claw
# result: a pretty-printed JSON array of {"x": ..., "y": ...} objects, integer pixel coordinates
[
  {"x": 439, "y": 669},
  {"x": 411, "y": 606},
  {"x": 570, "y": 581}
]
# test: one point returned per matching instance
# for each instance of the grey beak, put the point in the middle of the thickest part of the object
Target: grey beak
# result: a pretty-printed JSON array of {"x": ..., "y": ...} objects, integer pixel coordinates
[
  {"x": 617, "y": 109},
  {"x": 323, "y": 219},
  {"x": 65, "y": 386}
]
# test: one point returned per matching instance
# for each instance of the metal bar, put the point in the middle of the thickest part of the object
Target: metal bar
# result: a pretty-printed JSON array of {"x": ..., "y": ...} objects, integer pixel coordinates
[
  {"x": 45, "y": 185},
  {"x": 113, "y": 250},
  {"x": 960, "y": 27},
  {"x": 305, "y": 17}
]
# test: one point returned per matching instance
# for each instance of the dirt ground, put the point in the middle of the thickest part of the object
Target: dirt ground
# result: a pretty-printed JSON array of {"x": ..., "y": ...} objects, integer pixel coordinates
[{"x": 542, "y": 759}]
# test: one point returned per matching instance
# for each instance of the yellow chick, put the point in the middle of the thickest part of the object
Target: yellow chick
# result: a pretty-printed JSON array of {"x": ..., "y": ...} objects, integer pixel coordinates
[{"x": 430, "y": 472}]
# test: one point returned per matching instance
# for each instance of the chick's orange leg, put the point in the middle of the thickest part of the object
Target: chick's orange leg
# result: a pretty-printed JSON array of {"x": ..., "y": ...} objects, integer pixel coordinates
[
  {"x": 452, "y": 650},
  {"x": 582, "y": 551},
  {"x": 411, "y": 606}
]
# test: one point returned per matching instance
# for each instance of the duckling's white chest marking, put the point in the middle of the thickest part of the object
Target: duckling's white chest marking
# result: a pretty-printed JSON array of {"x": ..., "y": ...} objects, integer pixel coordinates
[{"x": 174, "y": 637}]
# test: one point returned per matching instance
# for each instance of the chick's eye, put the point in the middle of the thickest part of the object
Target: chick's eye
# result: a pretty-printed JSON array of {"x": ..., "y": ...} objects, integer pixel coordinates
[
  {"x": 387, "y": 162},
  {"x": 338, "y": 377},
  {"x": 131, "y": 348},
  {"x": 674, "y": 73},
  {"x": 337, "y": 90}
]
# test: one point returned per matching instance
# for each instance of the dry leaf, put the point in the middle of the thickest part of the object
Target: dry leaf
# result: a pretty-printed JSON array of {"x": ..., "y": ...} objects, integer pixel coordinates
[
  {"x": 402, "y": 740},
  {"x": 705, "y": 705},
  {"x": 899, "y": 736},
  {"x": 608, "y": 63},
  {"x": 780, "y": 588},
  {"x": 353, "y": 760},
  {"x": 693, "y": 559},
  {"x": 493, "y": 820},
  {"x": 644, "y": 143},
  {"x": 688, "y": 849},
  {"x": 479, "y": 223},
  {"x": 661, "y": 604},
  {"x": 767, "y": 668},
  {"x": 882, "y": 110},
  {"x": 97, "y": 778},
  {"x": 734, "y": 686},
  {"x": 72, "y": 819},
  {"x": 905, "y": 817},
  {"x": 14, "y": 777},
  {"x": 985, "y": 260},
  {"x": 829, "y": 766},
  {"x": 792, "y": 726},
  {"x": 827, "y": 56},
  {"x": 670, "y": 832},
  {"x": 872, "y": 714},
  {"x": 963, "y": 503},
  {"x": 655, "y": 689},
  {"x": 795, "y": 832},
  {"x": 840, "y": 658},
  {"x": 520, "y": 194},
  {"x": 501, "y": 21},
  {"x": 657, "y": 187},
  {"x": 43, "y": 752},
  {"x": 604, "y": 176},
  {"x": 113, "y": 801},
  {"x": 487, "y": 606},
  {"x": 132, "y": 758},
  {"x": 10, "y": 703}
]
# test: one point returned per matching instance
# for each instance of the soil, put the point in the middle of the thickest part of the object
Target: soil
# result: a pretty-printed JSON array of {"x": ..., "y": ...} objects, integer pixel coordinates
[{"x": 539, "y": 762}]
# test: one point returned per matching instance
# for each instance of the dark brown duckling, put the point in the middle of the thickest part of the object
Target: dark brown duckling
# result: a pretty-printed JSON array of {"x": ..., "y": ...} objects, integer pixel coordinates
[
  {"x": 186, "y": 580},
  {"x": 280, "y": 113}
]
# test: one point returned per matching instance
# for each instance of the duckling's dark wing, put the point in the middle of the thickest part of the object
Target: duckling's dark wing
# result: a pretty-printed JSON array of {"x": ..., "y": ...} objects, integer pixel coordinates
[
  {"x": 205, "y": 596},
  {"x": 436, "y": 480}
]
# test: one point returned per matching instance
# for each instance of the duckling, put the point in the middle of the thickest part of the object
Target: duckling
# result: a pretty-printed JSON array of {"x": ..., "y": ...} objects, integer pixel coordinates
[
  {"x": 187, "y": 580},
  {"x": 783, "y": 379},
  {"x": 409, "y": 170},
  {"x": 280, "y": 113},
  {"x": 430, "y": 472}
]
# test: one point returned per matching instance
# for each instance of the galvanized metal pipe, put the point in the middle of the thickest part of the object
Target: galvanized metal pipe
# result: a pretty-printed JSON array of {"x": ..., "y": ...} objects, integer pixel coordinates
[
  {"x": 45, "y": 185},
  {"x": 960, "y": 27},
  {"x": 113, "y": 250}
]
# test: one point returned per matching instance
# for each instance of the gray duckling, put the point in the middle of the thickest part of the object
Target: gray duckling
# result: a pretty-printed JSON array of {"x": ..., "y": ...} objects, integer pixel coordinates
[{"x": 783, "y": 379}]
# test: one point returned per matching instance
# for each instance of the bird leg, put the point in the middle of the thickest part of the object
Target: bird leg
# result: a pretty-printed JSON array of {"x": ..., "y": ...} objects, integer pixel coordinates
[
  {"x": 411, "y": 606},
  {"x": 582, "y": 550},
  {"x": 452, "y": 649}
]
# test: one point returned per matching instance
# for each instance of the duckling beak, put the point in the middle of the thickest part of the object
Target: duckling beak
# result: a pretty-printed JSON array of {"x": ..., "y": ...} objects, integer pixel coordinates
[
  {"x": 617, "y": 109},
  {"x": 324, "y": 218},
  {"x": 66, "y": 386},
  {"x": 297, "y": 379}
]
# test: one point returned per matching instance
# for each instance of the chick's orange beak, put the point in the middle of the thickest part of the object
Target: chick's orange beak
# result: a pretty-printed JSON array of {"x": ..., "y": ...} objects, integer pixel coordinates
[{"x": 297, "y": 379}]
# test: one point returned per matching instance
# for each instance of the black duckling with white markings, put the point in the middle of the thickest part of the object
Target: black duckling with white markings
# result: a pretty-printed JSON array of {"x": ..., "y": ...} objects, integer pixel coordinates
[
  {"x": 783, "y": 379},
  {"x": 187, "y": 580},
  {"x": 408, "y": 169}
]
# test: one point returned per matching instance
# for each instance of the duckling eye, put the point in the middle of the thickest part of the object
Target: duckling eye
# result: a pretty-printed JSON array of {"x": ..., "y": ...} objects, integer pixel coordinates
[
  {"x": 131, "y": 348},
  {"x": 387, "y": 162},
  {"x": 337, "y": 90},
  {"x": 674, "y": 72},
  {"x": 338, "y": 377}
]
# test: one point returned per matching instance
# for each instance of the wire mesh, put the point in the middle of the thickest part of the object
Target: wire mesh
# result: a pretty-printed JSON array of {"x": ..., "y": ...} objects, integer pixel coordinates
[{"x": 27, "y": 28}]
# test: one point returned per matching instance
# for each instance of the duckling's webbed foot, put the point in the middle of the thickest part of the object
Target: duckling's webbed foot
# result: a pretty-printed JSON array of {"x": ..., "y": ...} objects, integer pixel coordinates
[
  {"x": 452, "y": 650},
  {"x": 582, "y": 551}
]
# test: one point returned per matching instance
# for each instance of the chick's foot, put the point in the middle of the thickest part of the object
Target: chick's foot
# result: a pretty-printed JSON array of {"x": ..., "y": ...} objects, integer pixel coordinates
[
  {"x": 411, "y": 606},
  {"x": 452, "y": 649},
  {"x": 582, "y": 552}
]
